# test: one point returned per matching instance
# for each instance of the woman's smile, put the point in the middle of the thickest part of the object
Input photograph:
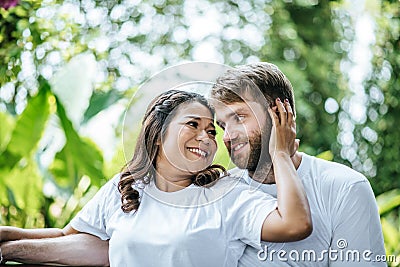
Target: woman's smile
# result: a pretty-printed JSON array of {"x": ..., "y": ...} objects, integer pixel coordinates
[{"x": 198, "y": 151}]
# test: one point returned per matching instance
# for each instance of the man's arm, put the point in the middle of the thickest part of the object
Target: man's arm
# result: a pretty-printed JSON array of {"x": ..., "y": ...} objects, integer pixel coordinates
[{"x": 73, "y": 250}]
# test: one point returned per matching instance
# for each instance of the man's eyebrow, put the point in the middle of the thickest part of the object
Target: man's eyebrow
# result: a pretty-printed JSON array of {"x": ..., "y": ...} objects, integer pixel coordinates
[{"x": 236, "y": 112}]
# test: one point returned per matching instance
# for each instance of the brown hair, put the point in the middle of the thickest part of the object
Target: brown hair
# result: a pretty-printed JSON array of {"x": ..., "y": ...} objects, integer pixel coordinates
[
  {"x": 251, "y": 82},
  {"x": 141, "y": 168}
]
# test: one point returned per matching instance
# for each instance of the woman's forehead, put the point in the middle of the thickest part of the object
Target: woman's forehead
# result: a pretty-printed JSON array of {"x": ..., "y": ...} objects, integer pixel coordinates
[{"x": 195, "y": 110}]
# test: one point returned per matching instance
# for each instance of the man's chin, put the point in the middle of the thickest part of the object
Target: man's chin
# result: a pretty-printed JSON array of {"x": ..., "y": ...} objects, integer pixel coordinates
[{"x": 239, "y": 162}]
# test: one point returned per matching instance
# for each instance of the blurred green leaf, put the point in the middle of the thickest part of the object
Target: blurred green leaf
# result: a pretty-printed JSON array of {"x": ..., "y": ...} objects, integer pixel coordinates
[
  {"x": 327, "y": 155},
  {"x": 388, "y": 201},
  {"x": 391, "y": 233},
  {"x": 7, "y": 126},
  {"x": 78, "y": 157},
  {"x": 29, "y": 127},
  {"x": 22, "y": 187},
  {"x": 11, "y": 197},
  {"x": 100, "y": 101}
]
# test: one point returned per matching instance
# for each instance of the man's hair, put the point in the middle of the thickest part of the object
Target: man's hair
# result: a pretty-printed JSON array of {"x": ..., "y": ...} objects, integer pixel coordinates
[{"x": 260, "y": 81}]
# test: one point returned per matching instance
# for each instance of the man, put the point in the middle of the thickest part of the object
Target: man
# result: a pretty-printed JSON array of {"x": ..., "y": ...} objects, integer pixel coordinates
[{"x": 346, "y": 224}]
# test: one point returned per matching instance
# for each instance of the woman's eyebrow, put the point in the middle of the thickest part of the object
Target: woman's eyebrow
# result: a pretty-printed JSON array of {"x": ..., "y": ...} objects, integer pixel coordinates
[{"x": 199, "y": 118}]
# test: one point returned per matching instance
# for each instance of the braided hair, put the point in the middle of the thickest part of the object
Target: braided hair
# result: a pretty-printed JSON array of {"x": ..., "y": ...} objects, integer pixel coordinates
[{"x": 141, "y": 168}]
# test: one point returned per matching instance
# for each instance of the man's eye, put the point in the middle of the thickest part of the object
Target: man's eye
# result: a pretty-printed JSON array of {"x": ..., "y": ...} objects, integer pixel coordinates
[{"x": 239, "y": 118}]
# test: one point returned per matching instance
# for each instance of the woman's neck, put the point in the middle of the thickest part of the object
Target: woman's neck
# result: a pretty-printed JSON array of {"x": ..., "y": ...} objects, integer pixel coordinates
[
  {"x": 171, "y": 184},
  {"x": 169, "y": 178}
]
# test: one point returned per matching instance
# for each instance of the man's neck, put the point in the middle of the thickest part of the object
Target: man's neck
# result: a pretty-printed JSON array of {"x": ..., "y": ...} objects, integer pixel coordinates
[{"x": 265, "y": 173}]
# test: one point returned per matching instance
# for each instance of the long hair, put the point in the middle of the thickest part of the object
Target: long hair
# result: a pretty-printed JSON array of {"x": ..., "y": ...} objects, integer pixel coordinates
[{"x": 141, "y": 168}]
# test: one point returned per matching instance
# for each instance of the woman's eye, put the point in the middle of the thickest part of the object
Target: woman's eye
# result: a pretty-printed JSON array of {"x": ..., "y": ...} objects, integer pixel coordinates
[
  {"x": 212, "y": 133},
  {"x": 193, "y": 124}
]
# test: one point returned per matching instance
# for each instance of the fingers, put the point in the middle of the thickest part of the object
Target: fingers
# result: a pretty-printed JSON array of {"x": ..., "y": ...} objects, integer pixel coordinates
[
  {"x": 282, "y": 111},
  {"x": 289, "y": 112},
  {"x": 274, "y": 116},
  {"x": 285, "y": 112}
]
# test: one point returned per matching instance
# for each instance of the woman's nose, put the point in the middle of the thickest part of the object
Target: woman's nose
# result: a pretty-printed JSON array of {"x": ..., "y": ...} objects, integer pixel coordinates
[{"x": 203, "y": 136}]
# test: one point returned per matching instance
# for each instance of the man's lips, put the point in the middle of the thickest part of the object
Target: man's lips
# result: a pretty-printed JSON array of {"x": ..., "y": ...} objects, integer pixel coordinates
[
  {"x": 235, "y": 148},
  {"x": 198, "y": 151}
]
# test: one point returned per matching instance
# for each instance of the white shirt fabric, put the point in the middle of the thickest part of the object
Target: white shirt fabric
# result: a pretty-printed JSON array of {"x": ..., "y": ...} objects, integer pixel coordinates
[
  {"x": 344, "y": 215},
  {"x": 195, "y": 226}
]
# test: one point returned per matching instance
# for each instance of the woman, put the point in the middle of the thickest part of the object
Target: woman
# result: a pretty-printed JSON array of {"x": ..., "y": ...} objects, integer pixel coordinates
[
  {"x": 169, "y": 206},
  {"x": 163, "y": 209}
]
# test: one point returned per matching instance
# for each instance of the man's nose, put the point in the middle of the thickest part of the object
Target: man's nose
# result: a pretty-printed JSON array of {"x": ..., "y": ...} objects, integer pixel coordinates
[{"x": 229, "y": 134}]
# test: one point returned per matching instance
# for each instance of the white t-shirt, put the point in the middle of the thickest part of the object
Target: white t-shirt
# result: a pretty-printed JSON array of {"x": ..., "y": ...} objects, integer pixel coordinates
[
  {"x": 344, "y": 215},
  {"x": 195, "y": 226}
]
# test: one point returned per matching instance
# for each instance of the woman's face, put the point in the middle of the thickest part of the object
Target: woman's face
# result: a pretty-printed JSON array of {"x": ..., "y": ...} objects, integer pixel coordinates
[{"x": 189, "y": 144}]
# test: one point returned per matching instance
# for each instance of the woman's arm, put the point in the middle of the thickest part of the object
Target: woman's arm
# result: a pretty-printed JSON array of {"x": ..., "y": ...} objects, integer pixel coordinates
[
  {"x": 52, "y": 246},
  {"x": 72, "y": 250},
  {"x": 9, "y": 233},
  {"x": 291, "y": 221}
]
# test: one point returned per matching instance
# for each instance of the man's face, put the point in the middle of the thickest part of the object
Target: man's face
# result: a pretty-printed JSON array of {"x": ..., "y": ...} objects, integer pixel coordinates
[{"x": 247, "y": 128}]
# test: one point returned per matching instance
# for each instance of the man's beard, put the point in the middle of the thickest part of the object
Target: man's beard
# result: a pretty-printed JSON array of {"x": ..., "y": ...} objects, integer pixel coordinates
[{"x": 258, "y": 155}]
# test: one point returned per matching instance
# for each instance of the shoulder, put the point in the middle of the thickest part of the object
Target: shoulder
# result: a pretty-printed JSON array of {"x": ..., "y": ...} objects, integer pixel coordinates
[
  {"x": 111, "y": 187},
  {"x": 329, "y": 173},
  {"x": 229, "y": 183},
  {"x": 110, "y": 195},
  {"x": 334, "y": 185},
  {"x": 236, "y": 172},
  {"x": 235, "y": 189}
]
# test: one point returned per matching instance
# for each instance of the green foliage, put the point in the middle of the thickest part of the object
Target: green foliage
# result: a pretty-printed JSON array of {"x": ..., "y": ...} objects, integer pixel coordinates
[
  {"x": 5, "y": 130},
  {"x": 389, "y": 207},
  {"x": 377, "y": 138},
  {"x": 29, "y": 127},
  {"x": 78, "y": 157},
  {"x": 17, "y": 187},
  {"x": 44, "y": 182},
  {"x": 374, "y": 150},
  {"x": 100, "y": 101}
]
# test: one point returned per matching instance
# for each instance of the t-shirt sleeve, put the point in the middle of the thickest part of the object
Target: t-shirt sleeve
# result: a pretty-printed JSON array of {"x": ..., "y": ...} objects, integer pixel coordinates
[
  {"x": 94, "y": 216},
  {"x": 246, "y": 209}
]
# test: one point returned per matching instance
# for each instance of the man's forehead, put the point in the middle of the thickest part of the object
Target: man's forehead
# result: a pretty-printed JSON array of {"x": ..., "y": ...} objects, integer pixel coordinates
[
  {"x": 223, "y": 108},
  {"x": 235, "y": 107}
]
